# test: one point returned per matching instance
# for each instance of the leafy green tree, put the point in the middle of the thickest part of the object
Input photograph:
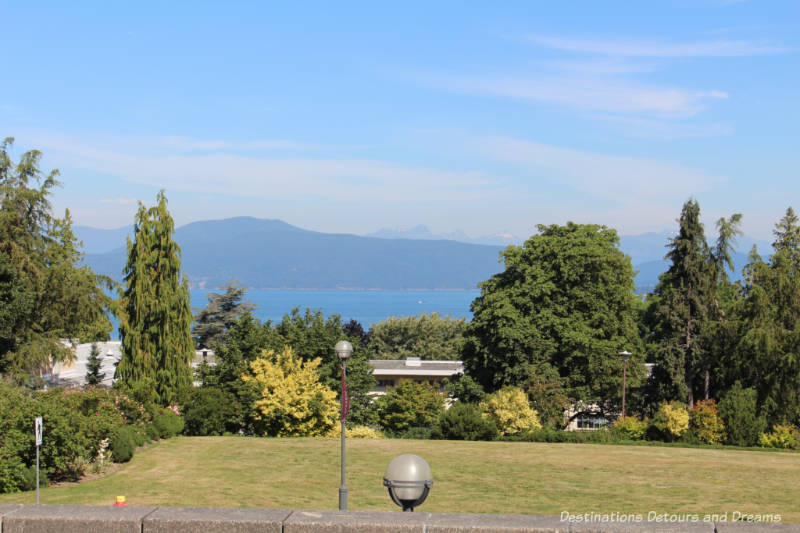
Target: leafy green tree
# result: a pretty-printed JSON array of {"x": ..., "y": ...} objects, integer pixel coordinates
[
  {"x": 565, "y": 300},
  {"x": 463, "y": 388},
  {"x": 46, "y": 294},
  {"x": 155, "y": 327},
  {"x": 428, "y": 336},
  {"x": 211, "y": 324},
  {"x": 545, "y": 389},
  {"x": 410, "y": 405},
  {"x": 93, "y": 374},
  {"x": 311, "y": 335}
]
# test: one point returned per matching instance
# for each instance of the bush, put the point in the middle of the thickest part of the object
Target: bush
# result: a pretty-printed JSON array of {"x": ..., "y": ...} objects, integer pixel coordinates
[
  {"x": 357, "y": 432},
  {"x": 211, "y": 411},
  {"x": 737, "y": 408},
  {"x": 548, "y": 434},
  {"x": 152, "y": 432},
  {"x": 465, "y": 421},
  {"x": 29, "y": 478},
  {"x": 139, "y": 435},
  {"x": 671, "y": 420},
  {"x": 410, "y": 405},
  {"x": 418, "y": 433},
  {"x": 510, "y": 411},
  {"x": 167, "y": 423},
  {"x": 12, "y": 475},
  {"x": 705, "y": 422},
  {"x": 122, "y": 445},
  {"x": 782, "y": 437},
  {"x": 65, "y": 436},
  {"x": 629, "y": 428}
]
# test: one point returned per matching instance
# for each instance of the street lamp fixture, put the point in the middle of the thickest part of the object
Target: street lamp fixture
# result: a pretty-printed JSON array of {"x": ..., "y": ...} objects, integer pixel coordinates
[
  {"x": 624, "y": 354},
  {"x": 409, "y": 480},
  {"x": 343, "y": 350}
]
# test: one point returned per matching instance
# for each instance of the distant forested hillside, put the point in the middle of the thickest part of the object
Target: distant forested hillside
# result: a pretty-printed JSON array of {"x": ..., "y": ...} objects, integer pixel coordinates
[{"x": 273, "y": 254}]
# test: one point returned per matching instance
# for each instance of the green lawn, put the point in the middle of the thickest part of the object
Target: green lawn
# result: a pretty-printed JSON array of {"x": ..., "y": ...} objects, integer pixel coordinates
[{"x": 479, "y": 477}]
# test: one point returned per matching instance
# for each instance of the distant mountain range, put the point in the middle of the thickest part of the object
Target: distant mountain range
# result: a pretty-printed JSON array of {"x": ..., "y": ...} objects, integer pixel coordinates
[
  {"x": 271, "y": 254},
  {"x": 422, "y": 232}
]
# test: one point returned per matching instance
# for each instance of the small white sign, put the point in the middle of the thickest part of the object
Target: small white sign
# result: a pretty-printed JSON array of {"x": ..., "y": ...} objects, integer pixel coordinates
[{"x": 38, "y": 430}]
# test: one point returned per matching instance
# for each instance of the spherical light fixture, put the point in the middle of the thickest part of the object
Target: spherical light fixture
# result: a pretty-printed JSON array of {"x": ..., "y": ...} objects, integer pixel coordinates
[
  {"x": 343, "y": 350},
  {"x": 409, "y": 480}
]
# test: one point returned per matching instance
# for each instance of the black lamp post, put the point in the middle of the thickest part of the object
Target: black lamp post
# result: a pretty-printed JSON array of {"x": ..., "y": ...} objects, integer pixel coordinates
[
  {"x": 624, "y": 354},
  {"x": 343, "y": 351}
]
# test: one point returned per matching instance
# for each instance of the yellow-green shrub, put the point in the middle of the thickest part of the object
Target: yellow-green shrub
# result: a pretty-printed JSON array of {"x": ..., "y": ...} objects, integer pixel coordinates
[
  {"x": 630, "y": 427},
  {"x": 784, "y": 437},
  {"x": 511, "y": 412},
  {"x": 357, "y": 432},
  {"x": 291, "y": 400},
  {"x": 706, "y": 422},
  {"x": 672, "y": 419}
]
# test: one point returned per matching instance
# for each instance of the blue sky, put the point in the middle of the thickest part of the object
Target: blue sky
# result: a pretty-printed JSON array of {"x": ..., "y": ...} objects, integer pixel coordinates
[{"x": 483, "y": 117}]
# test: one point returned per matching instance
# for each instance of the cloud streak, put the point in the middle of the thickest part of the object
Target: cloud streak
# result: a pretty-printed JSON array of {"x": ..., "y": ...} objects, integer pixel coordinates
[
  {"x": 590, "y": 93},
  {"x": 716, "y": 48},
  {"x": 628, "y": 180}
]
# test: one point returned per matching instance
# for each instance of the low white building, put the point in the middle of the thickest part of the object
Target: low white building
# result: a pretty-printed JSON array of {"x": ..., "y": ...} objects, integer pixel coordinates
[
  {"x": 73, "y": 374},
  {"x": 390, "y": 372}
]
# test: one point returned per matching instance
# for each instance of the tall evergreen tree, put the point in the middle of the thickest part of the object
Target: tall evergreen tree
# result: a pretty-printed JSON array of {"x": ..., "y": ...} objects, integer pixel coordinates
[
  {"x": 212, "y": 323},
  {"x": 767, "y": 355},
  {"x": 690, "y": 298},
  {"x": 155, "y": 327},
  {"x": 93, "y": 374}
]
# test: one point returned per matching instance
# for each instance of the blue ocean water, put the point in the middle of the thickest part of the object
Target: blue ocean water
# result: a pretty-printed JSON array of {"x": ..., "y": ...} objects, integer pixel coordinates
[{"x": 367, "y": 307}]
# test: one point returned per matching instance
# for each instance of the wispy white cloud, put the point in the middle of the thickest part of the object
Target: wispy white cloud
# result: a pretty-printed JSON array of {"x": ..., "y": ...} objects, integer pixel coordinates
[
  {"x": 120, "y": 201},
  {"x": 609, "y": 189},
  {"x": 589, "y": 93},
  {"x": 619, "y": 48},
  {"x": 664, "y": 130},
  {"x": 276, "y": 177},
  {"x": 602, "y": 66},
  {"x": 626, "y": 180},
  {"x": 187, "y": 144}
]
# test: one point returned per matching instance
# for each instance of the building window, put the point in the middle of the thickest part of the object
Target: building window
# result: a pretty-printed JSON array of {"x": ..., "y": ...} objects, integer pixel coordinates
[
  {"x": 590, "y": 421},
  {"x": 387, "y": 383}
]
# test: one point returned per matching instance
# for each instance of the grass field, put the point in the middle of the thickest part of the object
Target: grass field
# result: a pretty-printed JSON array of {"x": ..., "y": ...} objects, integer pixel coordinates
[{"x": 479, "y": 477}]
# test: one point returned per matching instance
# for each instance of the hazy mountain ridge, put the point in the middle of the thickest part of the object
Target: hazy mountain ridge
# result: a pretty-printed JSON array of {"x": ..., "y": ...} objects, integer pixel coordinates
[{"x": 271, "y": 254}]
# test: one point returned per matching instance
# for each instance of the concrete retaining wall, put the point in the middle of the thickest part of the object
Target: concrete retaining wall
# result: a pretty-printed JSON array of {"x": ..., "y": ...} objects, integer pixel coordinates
[{"x": 109, "y": 519}]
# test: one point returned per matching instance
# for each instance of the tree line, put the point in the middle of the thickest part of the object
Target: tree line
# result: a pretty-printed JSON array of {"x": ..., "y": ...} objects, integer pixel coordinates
[{"x": 552, "y": 324}]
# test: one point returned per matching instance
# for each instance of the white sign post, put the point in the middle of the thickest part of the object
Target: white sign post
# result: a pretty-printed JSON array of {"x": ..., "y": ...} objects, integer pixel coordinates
[{"x": 38, "y": 444}]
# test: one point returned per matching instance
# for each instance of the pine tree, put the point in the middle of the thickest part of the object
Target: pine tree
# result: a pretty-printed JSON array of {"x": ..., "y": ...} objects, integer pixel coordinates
[
  {"x": 155, "y": 327},
  {"x": 213, "y": 322},
  {"x": 694, "y": 294},
  {"x": 684, "y": 291},
  {"x": 93, "y": 375},
  {"x": 769, "y": 338}
]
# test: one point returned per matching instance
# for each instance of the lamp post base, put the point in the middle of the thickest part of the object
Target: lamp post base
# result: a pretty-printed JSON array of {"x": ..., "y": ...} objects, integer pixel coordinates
[{"x": 342, "y": 498}]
